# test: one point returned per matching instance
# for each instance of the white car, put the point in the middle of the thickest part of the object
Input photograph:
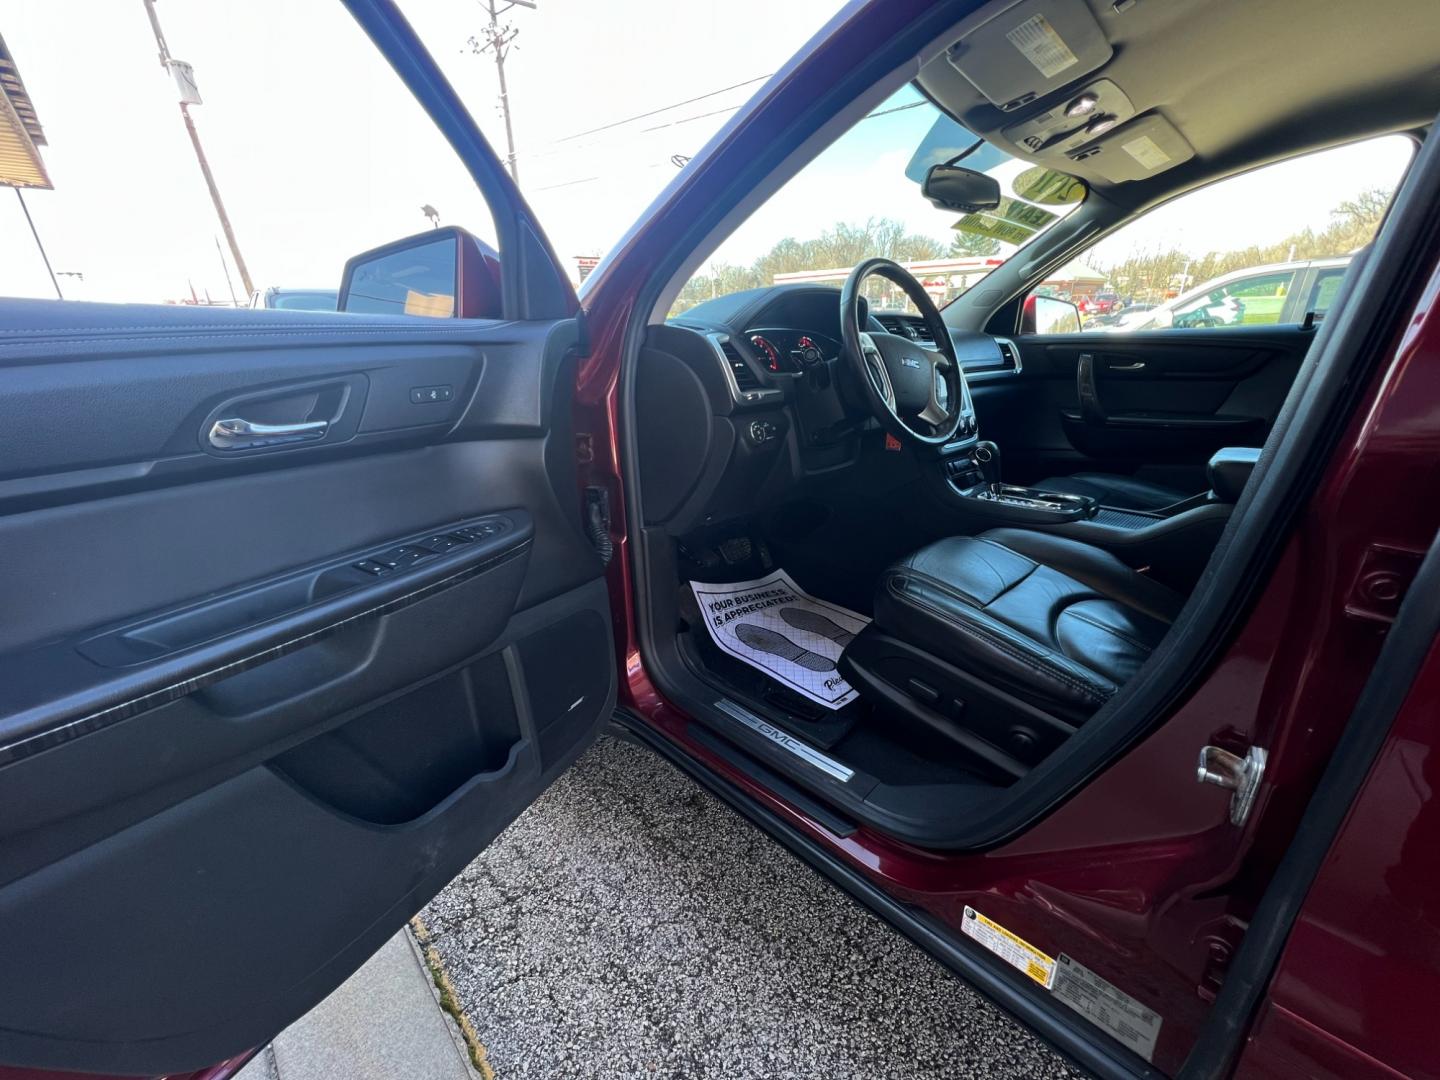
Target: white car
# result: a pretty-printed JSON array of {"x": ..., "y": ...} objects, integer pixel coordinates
[{"x": 1257, "y": 295}]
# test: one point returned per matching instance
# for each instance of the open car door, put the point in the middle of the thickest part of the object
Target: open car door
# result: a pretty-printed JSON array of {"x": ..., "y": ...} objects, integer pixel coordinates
[{"x": 288, "y": 637}]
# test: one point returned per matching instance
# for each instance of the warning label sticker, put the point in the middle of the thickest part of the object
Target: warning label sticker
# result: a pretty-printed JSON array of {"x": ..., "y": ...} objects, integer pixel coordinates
[
  {"x": 1106, "y": 1006},
  {"x": 1015, "y": 951},
  {"x": 1146, "y": 151},
  {"x": 1042, "y": 46}
]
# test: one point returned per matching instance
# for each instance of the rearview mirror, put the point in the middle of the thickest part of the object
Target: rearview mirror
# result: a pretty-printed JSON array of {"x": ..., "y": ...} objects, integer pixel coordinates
[
  {"x": 953, "y": 187},
  {"x": 444, "y": 273}
]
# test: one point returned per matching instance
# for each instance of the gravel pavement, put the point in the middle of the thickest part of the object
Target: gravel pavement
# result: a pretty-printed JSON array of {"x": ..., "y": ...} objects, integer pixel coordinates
[{"x": 631, "y": 925}]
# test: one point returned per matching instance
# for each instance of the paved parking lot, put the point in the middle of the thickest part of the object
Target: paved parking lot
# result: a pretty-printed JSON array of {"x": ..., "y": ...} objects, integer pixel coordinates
[{"x": 631, "y": 925}]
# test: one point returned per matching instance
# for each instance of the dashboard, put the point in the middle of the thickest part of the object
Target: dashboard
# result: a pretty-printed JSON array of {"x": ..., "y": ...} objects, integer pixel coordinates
[{"x": 740, "y": 399}]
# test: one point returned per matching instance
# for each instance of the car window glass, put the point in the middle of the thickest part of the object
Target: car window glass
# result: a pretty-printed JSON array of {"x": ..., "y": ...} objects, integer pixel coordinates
[
  {"x": 861, "y": 197},
  {"x": 1261, "y": 248},
  {"x": 1322, "y": 293},
  {"x": 318, "y": 151}
]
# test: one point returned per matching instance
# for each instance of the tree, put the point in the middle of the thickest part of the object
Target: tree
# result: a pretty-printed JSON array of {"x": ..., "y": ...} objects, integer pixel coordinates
[
  {"x": 1153, "y": 275},
  {"x": 966, "y": 245},
  {"x": 842, "y": 245}
]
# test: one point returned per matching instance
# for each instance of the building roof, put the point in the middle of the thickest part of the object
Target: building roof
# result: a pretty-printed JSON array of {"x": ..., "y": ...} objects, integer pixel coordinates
[{"x": 20, "y": 133}]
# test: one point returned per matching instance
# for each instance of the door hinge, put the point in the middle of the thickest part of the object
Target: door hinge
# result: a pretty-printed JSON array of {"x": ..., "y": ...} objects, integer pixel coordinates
[{"x": 1240, "y": 776}]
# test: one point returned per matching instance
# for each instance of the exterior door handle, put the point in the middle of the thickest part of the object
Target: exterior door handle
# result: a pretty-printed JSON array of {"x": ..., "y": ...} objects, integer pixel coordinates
[
  {"x": 237, "y": 434},
  {"x": 1138, "y": 365}
]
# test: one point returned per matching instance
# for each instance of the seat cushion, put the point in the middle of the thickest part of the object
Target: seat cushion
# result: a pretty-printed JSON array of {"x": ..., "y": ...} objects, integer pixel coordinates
[
  {"x": 1121, "y": 492},
  {"x": 1057, "y": 623}
]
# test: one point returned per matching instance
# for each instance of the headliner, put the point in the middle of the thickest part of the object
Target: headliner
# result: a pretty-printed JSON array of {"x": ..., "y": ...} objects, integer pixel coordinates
[{"x": 1245, "y": 81}]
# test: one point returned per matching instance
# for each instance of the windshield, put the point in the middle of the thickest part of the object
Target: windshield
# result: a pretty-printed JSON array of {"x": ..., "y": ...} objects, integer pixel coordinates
[{"x": 861, "y": 198}]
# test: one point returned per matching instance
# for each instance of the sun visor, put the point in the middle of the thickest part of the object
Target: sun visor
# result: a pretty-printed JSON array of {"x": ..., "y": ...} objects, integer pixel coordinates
[
  {"x": 1030, "y": 50},
  {"x": 1137, "y": 150}
]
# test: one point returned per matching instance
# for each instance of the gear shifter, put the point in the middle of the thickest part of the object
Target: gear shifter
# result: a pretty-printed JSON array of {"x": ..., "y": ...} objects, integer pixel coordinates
[{"x": 987, "y": 456}]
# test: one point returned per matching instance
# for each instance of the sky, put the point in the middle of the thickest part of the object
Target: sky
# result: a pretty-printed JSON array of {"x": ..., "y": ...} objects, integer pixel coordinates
[{"x": 320, "y": 152}]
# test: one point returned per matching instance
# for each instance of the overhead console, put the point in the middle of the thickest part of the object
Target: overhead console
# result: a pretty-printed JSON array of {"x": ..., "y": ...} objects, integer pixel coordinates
[
  {"x": 1037, "y": 79},
  {"x": 1030, "y": 50}
]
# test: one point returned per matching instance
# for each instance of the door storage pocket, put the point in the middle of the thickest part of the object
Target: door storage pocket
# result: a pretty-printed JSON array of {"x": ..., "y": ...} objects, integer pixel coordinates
[{"x": 397, "y": 761}]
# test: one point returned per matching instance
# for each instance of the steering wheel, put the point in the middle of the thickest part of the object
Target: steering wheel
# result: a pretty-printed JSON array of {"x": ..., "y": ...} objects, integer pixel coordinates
[{"x": 918, "y": 394}]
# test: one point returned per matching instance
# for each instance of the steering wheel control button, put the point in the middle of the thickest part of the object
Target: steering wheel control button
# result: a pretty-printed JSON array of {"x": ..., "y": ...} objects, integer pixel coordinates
[{"x": 425, "y": 395}]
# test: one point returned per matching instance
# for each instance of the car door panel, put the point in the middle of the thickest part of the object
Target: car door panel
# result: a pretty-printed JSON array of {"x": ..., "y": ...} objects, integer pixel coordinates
[
  {"x": 232, "y": 762},
  {"x": 1170, "y": 398}
]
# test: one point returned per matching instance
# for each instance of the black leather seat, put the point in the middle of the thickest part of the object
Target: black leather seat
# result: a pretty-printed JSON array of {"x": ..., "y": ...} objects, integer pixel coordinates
[
  {"x": 1057, "y": 623},
  {"x": 1121, "y": 492}
]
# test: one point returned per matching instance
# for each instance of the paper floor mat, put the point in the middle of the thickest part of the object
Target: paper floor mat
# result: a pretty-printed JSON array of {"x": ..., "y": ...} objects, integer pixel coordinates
[{"x": 776, "y": 628}]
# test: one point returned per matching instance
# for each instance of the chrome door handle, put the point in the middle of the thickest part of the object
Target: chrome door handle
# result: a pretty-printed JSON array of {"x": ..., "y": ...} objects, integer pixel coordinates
[
  {"x": 1138, "y": 365},
  {"x": 235, "y": 433}
]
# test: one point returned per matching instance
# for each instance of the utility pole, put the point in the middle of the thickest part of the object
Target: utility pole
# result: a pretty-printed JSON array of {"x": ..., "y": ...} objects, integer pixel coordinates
[
  {"x": 496, "y": 40},
  {"x": 185, "y": 82}
]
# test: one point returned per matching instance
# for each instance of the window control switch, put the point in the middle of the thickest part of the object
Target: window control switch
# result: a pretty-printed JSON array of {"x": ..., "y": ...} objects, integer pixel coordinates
[
  {"x": 405, "y": 555},
  {"x": 441, "y": 542},
  {"x": 370, "y": 566}
]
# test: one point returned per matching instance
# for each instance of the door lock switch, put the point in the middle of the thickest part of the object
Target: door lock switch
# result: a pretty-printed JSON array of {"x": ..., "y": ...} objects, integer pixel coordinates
[{"x": 482, "y": 531}]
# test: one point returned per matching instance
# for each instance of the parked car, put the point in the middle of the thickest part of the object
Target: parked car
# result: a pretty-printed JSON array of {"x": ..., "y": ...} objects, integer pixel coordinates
[
  {"x": 1257, "y": 295},
  {"x": 1127, "y": 311},
  {"x": 1112, "y": 683},
  {"x": 1104, "y": 303},
  {"x": 295, "y": 299}
]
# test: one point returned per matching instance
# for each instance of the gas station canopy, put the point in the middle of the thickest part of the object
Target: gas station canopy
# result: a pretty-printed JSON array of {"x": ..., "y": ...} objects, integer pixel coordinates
[{"x": 20, "y": 132}]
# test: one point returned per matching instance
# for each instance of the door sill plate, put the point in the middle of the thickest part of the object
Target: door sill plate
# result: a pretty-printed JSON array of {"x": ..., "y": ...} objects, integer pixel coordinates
[{"x": 806, "y": 753}]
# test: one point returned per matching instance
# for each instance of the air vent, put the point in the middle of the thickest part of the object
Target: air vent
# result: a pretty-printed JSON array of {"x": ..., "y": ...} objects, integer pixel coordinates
[
  {"x": 744, "y": 377},
  {"x": 908, "y": 326},
  {"x": 1009, "y": 355}
]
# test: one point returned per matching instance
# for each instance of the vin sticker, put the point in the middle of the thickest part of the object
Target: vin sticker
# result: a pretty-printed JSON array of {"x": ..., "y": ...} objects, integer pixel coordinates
[
  {"x": 1015, "y": 951},
  {"x": 1106, "y": 1006}
]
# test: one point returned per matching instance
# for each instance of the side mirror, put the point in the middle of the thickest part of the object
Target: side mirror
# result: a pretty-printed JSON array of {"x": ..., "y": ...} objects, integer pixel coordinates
[
  {"x": 951, "y": 187},
  {"x": 1049, "y": 315},
  {"x": 444, "y": 273}
]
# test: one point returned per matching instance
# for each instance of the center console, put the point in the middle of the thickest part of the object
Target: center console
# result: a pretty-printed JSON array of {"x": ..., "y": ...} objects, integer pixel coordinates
[
  {"x": 974, "y": 478},
  {"x": 1175, "y": 542}
]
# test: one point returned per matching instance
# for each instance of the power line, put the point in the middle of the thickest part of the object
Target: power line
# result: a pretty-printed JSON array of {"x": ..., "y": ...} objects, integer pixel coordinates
[
  {"x": 677, "y": 123},
  {"x": 656, "y": 112}
]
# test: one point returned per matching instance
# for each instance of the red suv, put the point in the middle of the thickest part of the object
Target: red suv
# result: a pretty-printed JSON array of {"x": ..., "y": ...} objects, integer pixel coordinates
[{"x": 1104, "y": 667}]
